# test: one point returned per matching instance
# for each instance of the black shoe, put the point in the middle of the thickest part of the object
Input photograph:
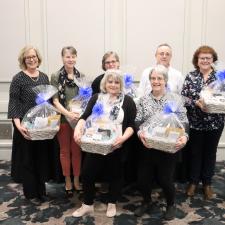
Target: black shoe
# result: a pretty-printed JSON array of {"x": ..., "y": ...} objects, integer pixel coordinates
[
  {"x": 170, "y": 213},
  {"x": 34, "y": 201},
  {"x": 44, "y": 198},
  {"x": 69, "y": 193},
  {"x": 141, "y": 210}
]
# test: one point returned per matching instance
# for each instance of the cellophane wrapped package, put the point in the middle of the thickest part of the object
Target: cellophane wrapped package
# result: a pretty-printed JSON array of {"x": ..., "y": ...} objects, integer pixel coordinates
[
  {"x": 130, "y": 88},
  {"x": 43, "y": 120},
  {"x": 213, "y": 95},
  {"x": 100, "y": 132},
  {"x": 164, "y": 129},
  {"x": 79, "y": 102}
]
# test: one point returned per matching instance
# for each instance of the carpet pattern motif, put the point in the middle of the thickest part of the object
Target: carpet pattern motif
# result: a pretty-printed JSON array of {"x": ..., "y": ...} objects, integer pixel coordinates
[{"x": 16, "y": 210}]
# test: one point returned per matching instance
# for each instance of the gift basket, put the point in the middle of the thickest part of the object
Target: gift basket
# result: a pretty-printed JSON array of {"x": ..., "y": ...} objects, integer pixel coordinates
[
  {"x": 79, "y": 102},
  {"x": 164, "y": 129},
  {"x": 100, "y": 131},
  {"x": 43, "y": 120},
  {"x": 130, "y": 88},
  {"x": 213, "y": 95}
]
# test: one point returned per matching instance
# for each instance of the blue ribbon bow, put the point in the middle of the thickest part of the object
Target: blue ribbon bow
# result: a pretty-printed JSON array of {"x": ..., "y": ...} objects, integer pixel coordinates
[
  {"x": 128, "y": 80},
  {"x": 41, "y": 98},
  {"x": 170, "y": 107},
  {"x": 220, "y": 75},
  {"x": 85, "y": 92},
  {"x": 98, "y": 110}
]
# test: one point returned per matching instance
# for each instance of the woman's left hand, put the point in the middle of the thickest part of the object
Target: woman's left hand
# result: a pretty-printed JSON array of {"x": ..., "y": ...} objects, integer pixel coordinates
[
  {"x": 118, "y": 143},
  {"x": 181, "y": 142}
]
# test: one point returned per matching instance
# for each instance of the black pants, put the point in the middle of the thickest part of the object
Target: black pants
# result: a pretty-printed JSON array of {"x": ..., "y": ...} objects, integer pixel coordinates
[
  {"x": 35, "y": 168},
  {"x": 160, "y": 165},
  {"x": 94, "y": 165},
  {"x": 130, "y": 160},
  {"x": 203, "y": 147},
  {"x": 32, "y": 164}
]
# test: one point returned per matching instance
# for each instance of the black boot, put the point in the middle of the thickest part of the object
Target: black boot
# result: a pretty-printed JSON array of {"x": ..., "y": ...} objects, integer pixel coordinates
[{"x": 170, "y": 212}]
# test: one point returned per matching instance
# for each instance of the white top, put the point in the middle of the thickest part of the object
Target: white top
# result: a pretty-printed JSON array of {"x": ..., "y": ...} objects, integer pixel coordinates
[{"x": 175, "y": 81}]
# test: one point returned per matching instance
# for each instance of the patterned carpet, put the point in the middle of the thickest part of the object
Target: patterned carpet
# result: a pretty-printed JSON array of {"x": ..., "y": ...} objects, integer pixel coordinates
[{"x": 15, "y": 210}]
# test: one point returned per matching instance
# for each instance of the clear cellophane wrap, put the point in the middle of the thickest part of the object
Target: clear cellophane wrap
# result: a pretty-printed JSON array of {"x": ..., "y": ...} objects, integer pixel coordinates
[{"x": 43, "y": 120}]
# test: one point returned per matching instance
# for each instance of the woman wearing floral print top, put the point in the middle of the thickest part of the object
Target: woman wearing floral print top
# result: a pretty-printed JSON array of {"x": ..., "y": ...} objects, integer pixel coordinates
[{"x": 205, "y": 128}]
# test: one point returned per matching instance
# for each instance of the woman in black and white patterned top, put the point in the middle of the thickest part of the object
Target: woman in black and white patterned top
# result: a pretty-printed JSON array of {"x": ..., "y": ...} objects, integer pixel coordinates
[
  {"x": 153, "y": 161},
  {"x": 30, "y": 159}
]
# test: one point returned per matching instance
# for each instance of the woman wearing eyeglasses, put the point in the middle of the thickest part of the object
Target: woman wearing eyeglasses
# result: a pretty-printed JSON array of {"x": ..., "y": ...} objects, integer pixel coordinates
[
  {"x": 110, "y": 60},
  {"x": 31, "y": 160},
  {"x": 154, "y": 163},
  {"x": 205, "y": 128}
]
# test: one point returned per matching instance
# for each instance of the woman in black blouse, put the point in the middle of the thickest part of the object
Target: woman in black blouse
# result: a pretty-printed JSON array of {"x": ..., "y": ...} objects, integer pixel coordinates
[
  {"x": 205, "y": 128},
  {"x": 31, "y": 160},
  {"x": 95, "y": 164},
  {"x": 110, "y": 60}
]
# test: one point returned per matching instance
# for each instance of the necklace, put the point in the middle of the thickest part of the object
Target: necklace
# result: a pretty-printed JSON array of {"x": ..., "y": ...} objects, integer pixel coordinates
[
  {"x": 35, "y": 76},
  {"x": 35, "y": 79}
]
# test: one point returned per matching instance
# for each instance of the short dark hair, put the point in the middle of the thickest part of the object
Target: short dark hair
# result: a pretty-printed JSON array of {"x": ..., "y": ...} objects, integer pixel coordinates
[
  {"x": 72, "y": 50},
  {"x": 203, "y": 49}
]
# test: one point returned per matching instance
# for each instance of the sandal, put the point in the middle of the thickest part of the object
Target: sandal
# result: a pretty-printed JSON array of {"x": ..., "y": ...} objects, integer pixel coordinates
[{"x": 69, "y": 192}]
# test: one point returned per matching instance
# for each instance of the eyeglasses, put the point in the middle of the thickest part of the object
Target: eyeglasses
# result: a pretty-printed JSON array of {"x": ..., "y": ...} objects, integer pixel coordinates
[
  {"x": 33, "y": 57},
  {"x": 164, "y": 54},
  {"x": 156, "y": 78},
  {"x": 204, "y": 58},
  {"x": 110, "y": 62}
]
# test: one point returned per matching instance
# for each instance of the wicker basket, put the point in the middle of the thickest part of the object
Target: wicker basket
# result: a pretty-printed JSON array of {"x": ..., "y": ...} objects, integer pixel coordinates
[
  {"x": 214, "y": 105},
  {"x": 98, "y": 147},
  {"x": 161, "y": 144},
  {"x": 43, "y": 134},
  {"x": 214, "y": 101}
]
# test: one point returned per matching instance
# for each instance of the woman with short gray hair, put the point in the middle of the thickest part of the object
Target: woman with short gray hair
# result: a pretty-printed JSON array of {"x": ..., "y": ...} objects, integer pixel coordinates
[{"x": 153, "y": 160}]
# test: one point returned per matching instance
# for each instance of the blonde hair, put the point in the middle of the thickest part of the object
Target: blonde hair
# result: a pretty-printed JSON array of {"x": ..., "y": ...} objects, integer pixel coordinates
[
  {"x": 21, "y": 57},
  {"x": 115, "y": 75}
]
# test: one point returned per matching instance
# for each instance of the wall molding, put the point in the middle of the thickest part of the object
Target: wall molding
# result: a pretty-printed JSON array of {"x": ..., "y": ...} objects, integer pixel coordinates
[
  {"x": 44, "y": 23},
  {"x": 27, "y": 20},
  {"x": 204, "y": 21}
]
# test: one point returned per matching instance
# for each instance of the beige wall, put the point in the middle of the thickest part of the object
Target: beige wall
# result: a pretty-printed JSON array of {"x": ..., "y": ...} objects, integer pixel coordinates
[{"x": 130, "y": 27}]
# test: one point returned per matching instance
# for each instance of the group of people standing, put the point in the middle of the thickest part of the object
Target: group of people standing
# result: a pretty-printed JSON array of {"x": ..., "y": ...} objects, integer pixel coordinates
[{"x": 32, "y": 160}]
